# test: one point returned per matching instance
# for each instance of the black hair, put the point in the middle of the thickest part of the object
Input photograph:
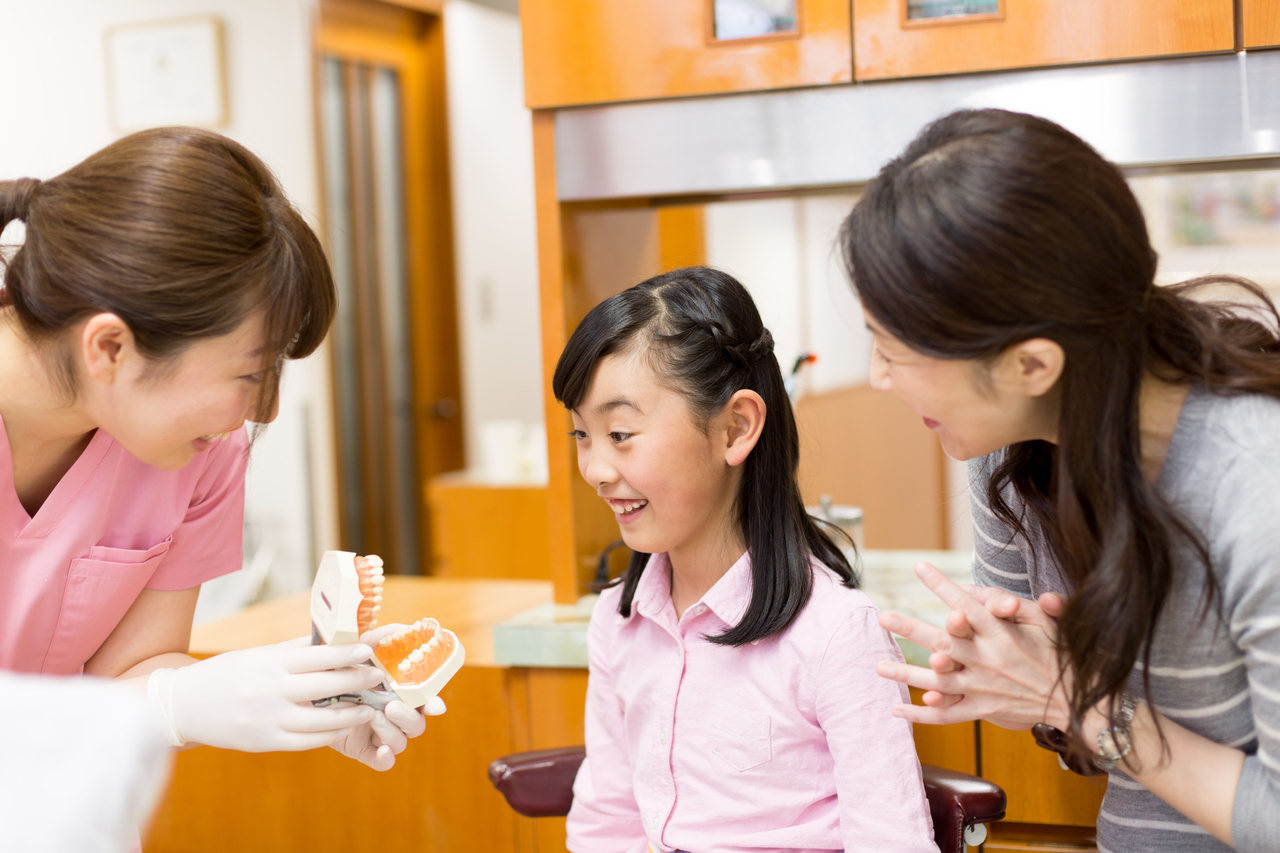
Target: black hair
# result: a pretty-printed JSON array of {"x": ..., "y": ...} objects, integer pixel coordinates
[{"x": 703, "y": 335}]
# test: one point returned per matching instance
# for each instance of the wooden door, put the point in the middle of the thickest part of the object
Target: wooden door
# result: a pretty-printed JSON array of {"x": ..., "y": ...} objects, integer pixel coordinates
[
  {"x": 595, "y": 51},
  {"x": 383, "y": 133},
  {"x": 1260, "y": 23},
  {"x": 913, "y": 38}
]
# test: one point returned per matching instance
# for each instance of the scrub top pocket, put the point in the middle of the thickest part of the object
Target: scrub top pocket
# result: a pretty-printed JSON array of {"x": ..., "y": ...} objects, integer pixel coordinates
[
  {"x": 100, "y": 590},
  {"x": 740, "y": 737}
]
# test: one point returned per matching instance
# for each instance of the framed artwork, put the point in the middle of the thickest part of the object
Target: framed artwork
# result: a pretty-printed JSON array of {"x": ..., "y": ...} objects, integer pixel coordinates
[{"x": 166, "y": 73}]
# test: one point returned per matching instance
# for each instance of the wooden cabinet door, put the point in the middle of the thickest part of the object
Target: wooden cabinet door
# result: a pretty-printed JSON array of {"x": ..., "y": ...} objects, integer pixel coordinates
[
  {"x": 595, "y": 51},
  {"x": 1025, "y": 33},
  {"x": 1261, "y": 23},
  {"x": 1039, "y": 790}
]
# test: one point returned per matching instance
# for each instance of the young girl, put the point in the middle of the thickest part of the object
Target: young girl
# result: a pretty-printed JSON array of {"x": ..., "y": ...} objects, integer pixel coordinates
[{"x": 733, "y": 701}]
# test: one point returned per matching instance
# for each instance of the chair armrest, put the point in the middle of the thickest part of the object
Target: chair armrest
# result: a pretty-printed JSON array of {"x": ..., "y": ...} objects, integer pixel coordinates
[
  {"x": 540, "y": 783},
  {"x": 958, "y": 800}
]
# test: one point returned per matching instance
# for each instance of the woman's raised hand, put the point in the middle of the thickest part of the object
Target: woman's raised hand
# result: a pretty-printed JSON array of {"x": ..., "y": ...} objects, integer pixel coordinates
[{"x": 995, "y": 660}]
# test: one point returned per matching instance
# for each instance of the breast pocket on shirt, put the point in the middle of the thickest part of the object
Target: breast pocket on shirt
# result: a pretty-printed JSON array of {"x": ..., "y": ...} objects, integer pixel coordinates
[
  {"x": 741, "y": 737},
  {"x": 100, "y": 590}
]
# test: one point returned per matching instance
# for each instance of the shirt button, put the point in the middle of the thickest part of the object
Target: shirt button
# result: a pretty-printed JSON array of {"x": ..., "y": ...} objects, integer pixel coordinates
[{"x": 700, "y": 609}]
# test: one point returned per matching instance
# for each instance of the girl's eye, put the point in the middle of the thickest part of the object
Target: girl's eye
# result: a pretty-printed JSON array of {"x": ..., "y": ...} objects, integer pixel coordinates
[
  {"x": 619, "y": 437},
  {"x": 578, "y": 434}
]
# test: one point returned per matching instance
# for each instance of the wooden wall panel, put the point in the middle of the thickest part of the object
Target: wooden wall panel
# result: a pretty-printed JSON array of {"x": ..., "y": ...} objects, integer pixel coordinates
[
  {"x": 1039, "y": 790},
  {"x": 863, "y": 447},
  {"x": 595, "y": 51},
  {"x": 1035, "y": 32},
  {"x": 1261, "y": 20}
]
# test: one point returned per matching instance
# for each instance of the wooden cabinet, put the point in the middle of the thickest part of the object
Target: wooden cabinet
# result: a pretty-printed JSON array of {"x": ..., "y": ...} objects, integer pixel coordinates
[
  {"x": 1040, "y": 791},
  {"x": 481, "y": 530},
  {"x": 1027, "y": 33},
  {"x": 1260, "y": 21},
  {"x": 596, "y": 51}
]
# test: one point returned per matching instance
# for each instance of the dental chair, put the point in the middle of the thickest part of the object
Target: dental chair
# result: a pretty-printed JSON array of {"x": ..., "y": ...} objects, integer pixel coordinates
[{"x": 540, "y": 784}]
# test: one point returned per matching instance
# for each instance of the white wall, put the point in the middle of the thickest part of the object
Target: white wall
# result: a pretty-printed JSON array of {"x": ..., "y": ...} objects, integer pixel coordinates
[
  {"x": 53, "y": 113},
  {"x": 491, "y": 147}
]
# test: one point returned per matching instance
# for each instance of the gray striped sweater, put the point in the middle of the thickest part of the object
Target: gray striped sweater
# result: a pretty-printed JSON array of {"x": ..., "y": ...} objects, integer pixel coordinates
[{"x": 1218, "y": 676}]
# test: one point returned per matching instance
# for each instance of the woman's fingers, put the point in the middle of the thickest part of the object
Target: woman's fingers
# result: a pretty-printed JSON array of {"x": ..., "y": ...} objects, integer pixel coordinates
[
  {"x": 954, "y": 597},
  {"x": 372, "y": 638},
  {"x": 1052, "y": 604},
  {"x": 943, "y": 662},
  {"x": 301, "y": 719},
  {"x": 958, "y": 713},
  {"x": 405, "y": 720},
  {"x": 307, "y": 658},
  {"x": 389, "y": 732},
  {"x": 309, "y": 686},
  {"x": 916, "y": 676},
  {"x": 934, "y": 699},
  {"x": 920, "y": 633},
  {"x": 957, "y": 625}
]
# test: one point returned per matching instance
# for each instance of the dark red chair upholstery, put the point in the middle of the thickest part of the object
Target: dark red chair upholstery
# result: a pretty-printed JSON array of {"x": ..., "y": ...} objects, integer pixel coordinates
[{"x": 540, "y": 784}]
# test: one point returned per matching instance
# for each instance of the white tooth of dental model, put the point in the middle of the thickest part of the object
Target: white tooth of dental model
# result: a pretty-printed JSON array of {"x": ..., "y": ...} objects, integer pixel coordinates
[{"x": 405, "y": 666}]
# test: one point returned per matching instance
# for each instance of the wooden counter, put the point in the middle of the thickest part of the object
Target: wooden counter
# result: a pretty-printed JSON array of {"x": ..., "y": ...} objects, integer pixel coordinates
[
  {"x": 436, "y": 798},
  {"x": 469, "y": 607}
]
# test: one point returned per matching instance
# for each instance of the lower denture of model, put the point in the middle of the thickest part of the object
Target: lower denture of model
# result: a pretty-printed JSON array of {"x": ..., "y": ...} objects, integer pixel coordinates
[
  {"x": 413, "y": 654},
  {"x": 369, "y": 570}
]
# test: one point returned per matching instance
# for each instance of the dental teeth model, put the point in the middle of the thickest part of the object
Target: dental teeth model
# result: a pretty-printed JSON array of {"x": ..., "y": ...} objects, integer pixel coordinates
[
  {"x": 415, "y": 654},
  {"x": 369, "y": 572},
  {"x": 346, "y": 600}
]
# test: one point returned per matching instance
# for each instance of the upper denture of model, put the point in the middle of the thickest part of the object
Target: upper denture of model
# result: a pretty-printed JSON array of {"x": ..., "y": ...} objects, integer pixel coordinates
[
  {"x": 412, "y": 654},
  {"x": 369, "y": 570}
]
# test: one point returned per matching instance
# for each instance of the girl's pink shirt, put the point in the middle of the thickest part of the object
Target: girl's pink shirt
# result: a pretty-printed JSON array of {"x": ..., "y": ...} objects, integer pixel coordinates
[
  {"x": 111, "y": 527},
  {"x": 782, "y": 744}
]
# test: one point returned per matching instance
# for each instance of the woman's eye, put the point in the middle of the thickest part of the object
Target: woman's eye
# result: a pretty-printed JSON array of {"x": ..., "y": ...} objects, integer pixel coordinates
[
  {"x": 255, "y": 377},
  {"x": 619, "y": 436}
]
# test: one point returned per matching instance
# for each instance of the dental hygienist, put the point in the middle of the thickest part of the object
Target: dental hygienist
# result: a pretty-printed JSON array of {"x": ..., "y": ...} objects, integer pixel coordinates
[{"x": 145, "y": 318}]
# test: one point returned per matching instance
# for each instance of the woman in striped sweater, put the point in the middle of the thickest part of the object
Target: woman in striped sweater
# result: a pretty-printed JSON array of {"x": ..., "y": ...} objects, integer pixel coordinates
[{"x": 1124, "y": 448}]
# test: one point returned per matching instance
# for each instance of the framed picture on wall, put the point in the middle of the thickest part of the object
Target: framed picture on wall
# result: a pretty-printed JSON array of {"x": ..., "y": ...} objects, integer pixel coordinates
[{"x": 166, "y": 73}]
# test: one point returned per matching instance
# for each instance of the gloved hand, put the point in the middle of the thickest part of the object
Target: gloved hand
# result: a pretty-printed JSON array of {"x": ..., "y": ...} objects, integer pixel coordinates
[
  {"x": 259, "y": 700},
  {"x": 378, "y": 742}
]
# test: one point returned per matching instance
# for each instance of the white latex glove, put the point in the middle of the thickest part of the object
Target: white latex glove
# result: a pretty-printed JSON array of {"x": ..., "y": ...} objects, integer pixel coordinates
[
  {"x": 259, "y": 700},
  {"x": 378, "y": 742}
]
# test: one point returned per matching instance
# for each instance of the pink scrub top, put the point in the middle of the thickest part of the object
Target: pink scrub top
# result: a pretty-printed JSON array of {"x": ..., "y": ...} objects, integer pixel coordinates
[{"x": 111, "y": 527}]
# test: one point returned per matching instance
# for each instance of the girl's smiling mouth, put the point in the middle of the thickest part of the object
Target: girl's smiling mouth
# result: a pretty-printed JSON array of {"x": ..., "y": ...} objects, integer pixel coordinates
[{"x": 625, "y": 510}]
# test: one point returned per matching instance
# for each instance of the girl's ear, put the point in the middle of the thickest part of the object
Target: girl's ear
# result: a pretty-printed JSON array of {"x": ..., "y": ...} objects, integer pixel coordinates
[
  {"x": 105, "y": 342},
  {"x": 746, "y": 411}
]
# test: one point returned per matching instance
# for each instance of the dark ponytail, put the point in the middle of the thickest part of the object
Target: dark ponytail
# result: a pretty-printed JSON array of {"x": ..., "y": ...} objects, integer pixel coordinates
[
  {"x": 995, "y": 227},
  {"x": 703, "y": 335}
]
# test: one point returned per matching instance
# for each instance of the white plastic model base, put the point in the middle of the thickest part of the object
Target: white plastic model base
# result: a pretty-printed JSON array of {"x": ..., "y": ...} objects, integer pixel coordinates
[
  {"x": 417, "y": 695},
  {"x": 335, "y": 598}
]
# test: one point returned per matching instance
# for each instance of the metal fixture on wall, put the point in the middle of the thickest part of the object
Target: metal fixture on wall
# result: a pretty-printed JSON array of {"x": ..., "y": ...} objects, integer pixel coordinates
[{"x": 1163, "y": 113}]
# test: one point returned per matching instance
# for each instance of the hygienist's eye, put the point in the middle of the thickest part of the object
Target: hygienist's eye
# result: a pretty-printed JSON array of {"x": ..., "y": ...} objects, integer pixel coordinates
[{"x": 255, "y": 377}]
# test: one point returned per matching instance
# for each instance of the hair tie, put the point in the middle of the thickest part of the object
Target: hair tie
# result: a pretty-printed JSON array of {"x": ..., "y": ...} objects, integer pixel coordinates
[{"x": 17, "y": 202}]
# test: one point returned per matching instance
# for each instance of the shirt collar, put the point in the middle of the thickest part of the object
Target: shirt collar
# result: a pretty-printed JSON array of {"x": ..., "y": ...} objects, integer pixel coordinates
[
  {"x": 728, "y": 599},
  {"x": 731, "y": 595}
]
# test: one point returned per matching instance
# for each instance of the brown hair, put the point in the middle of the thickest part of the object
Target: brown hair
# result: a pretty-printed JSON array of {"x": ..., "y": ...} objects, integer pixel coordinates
[
  {"x": 183, "y": 233},
  {"x": 995, "y": 227}
]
